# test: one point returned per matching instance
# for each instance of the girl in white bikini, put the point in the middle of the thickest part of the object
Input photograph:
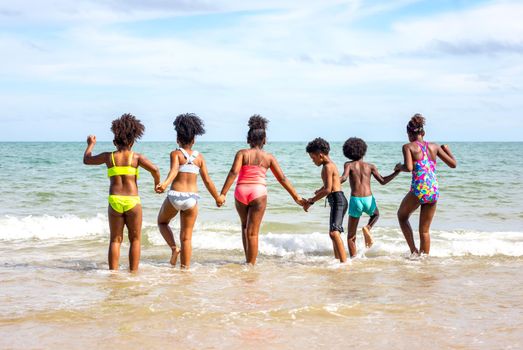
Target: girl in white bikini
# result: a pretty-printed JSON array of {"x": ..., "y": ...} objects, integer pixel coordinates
[{"x": 183, "y": 196}]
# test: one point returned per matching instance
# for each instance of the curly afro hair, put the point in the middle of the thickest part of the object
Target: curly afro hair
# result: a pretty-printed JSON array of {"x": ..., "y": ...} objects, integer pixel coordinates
[
  {"x": 415, "y": 125},
  {"x": 126, "y": 130},
  {"x": 318, "y": 145},
  {"x": 354, "y": 148},
  {"x": 256, "y": 135},
  {"x": 187, "y": 126}
]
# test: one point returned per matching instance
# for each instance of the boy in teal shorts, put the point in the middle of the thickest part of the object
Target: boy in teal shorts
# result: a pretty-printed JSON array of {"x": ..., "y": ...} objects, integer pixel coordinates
[{"x": 361, "y": 199}]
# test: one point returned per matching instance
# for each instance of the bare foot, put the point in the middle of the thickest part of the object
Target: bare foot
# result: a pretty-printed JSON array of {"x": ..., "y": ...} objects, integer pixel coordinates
[
  {"x": 369, "y": 241},
  {"x": 174, "y": 256}
]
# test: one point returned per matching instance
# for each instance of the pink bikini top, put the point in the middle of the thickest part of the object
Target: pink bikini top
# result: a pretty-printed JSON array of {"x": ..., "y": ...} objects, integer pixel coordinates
[{"x": 252, "y": 174}]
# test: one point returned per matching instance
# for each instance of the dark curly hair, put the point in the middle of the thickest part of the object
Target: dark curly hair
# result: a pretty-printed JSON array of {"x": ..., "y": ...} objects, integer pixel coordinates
[
  {"x": 354, "y": 148},
  {"x": 126, "y": 130},
  {"x": 187, "y": 126},
  {"x": 256, "y": 134},
  {"x": 318, "y": 145},
  {"x": 415, "y": 125}
]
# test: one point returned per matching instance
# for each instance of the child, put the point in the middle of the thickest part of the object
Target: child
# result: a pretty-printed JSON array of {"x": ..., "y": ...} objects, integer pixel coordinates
[
  {"x": 361, "y": 199},
  {"x": 318, "y": 149},
  {"x": 250, "y": 166},
  {"x": 124, "y": 203},
  {"x": 186, "y": 164},
  {"x": 420, "y": 158}
]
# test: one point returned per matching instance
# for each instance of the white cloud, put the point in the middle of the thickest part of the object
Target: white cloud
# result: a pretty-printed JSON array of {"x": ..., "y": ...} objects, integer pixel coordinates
[{"x": 300, "y": 62}]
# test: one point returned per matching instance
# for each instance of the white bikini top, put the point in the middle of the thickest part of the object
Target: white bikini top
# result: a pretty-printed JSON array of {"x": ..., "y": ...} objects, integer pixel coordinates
[{"x": 189, "y": 166}]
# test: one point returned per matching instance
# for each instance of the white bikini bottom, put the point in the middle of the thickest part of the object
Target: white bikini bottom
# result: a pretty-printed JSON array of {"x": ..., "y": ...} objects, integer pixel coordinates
[{"x": 183, "y": 200}]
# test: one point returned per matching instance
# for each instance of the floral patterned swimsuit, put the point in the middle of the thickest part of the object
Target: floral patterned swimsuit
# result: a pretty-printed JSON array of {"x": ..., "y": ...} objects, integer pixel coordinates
[{"x": 424, "y": 181}]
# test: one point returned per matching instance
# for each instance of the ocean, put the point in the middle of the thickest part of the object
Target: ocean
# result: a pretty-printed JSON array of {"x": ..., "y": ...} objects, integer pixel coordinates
[{"x": 56, "y": 290}]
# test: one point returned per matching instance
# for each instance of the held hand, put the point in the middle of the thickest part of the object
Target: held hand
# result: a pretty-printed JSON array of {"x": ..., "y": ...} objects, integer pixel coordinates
[
  {"x": 307, "y": 204},
  {"x": 318, "y": 190},
  {"x": 301, "y": 201},
  {"x": 445, "y": 147},
  {"x": 91, "y": 140},
  {"x": 160, "y": 188},
  {"x": 220, "y": 201},
  {"x": 397, "y": 168}
]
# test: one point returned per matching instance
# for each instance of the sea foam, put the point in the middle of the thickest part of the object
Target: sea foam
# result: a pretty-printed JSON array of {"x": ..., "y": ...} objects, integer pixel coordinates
[{"x": 227, "y": 236}]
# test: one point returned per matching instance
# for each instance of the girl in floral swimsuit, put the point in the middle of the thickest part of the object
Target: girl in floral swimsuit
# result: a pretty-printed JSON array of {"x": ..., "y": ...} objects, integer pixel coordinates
[{"x": 420, "y": 159}]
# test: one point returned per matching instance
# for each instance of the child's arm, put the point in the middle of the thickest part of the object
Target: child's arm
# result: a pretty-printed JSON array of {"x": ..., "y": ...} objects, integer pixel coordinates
[
  {"x": 407, "y": 165},
  {"x": 346, "y": 172},
  {"x": 210, "y": 185},
  {"x": 382, "y": 180},
  {"x": 446, "y": 156},
  {"x": 150, "y": 167},
  {"x": 173, "y": 172},
  {"x": 327, "y": 185},
  {"x": 89, "y": 159},
  {"x": 233, "y": 173},
  {"x": 284, "y": 181}
]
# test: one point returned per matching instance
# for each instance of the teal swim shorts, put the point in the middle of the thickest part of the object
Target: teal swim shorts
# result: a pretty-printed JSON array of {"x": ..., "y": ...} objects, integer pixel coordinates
[{"x": 360, "y": 205}]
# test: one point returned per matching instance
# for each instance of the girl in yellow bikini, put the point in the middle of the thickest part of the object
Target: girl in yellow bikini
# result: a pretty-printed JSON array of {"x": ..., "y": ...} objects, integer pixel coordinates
[{"x": 125, "y": 208}]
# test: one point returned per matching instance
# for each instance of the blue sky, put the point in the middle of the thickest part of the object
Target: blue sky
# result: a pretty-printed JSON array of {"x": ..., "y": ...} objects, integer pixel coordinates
[{"x": 315, "y": 68}]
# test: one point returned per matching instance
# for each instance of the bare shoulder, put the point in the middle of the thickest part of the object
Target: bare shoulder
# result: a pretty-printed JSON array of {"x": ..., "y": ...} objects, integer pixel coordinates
[
  {"x": 434, "y": 146},
  {"x": 241, "y": 152},
  {"x": 370, "y": 166},
  {"x": 331, "y": 167}
]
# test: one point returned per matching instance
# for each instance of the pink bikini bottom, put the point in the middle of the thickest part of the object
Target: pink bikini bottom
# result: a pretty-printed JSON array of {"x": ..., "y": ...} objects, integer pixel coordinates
[{"x": 246, "y": 193}]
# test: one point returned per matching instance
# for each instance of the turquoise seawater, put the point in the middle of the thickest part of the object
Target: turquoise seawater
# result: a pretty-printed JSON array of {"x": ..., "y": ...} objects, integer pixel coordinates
[
  {"x": 56, "y": 291},
  {"x": 483, "y": 193}
]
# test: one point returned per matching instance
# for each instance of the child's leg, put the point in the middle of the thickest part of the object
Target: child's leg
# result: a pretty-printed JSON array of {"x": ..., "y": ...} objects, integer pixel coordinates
[
  {"x": 187, "y": 220},
  {"x": 133, "y": 221},
  {"x": 339, "y": 249},
  {"x": 335, "y": 249},
  {"x": 254, "y": 219},
  {"x": 116, "y": 225},
  {"x": 351, "y": 235},
  {"x": 427, "y": 212},
  {"x": 369, "y": 241},
  {"x": 166, "y": 214},
  {"x": 407, "y": 207},
  {"x": 243, "y": 212}
]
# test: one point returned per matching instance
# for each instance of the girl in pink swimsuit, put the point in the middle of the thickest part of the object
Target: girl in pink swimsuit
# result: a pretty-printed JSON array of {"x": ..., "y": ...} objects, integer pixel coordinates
[
  {"x": 420, "y": 159},
  {"x": 250, "y": 166}
]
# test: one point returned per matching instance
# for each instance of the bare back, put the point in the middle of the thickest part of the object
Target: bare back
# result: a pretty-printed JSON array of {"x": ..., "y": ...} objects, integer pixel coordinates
[
  {"x": 417, "y": 153},
  {"x": 186, "y": 182},
  {"x": 124, "y": 185},
  {"x": 331, "y": 177},
  {"x": 360, "y": 173},
  {"x": 256, "y": 157}
]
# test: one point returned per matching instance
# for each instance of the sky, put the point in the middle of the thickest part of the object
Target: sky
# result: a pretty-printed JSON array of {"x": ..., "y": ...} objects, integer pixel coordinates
[{"x": 326, "y": 68}]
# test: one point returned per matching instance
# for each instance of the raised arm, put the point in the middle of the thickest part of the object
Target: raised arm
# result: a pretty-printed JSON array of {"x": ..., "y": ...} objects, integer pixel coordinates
[
  {"x": 89, "y": 159},
  {"x": 346, "y": 172},
  {"x": 150, "y": 167},
  {"x": 173, "y": 172},
  {"x": 233, "y": 173},
  {"x": 208, "y": 183},
  {"x": 283, "y": 180},
  {"x": 383, "y": 180},
  {"x": 446, "y": 156}
]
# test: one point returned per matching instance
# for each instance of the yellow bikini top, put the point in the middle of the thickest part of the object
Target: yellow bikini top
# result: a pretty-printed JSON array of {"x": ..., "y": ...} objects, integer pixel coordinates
[{"x": 122, "y": 170}]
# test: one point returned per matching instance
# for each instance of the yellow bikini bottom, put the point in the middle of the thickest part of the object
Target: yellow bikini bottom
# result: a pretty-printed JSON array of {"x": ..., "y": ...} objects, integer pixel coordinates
[{"x": 121, "y": 204}]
